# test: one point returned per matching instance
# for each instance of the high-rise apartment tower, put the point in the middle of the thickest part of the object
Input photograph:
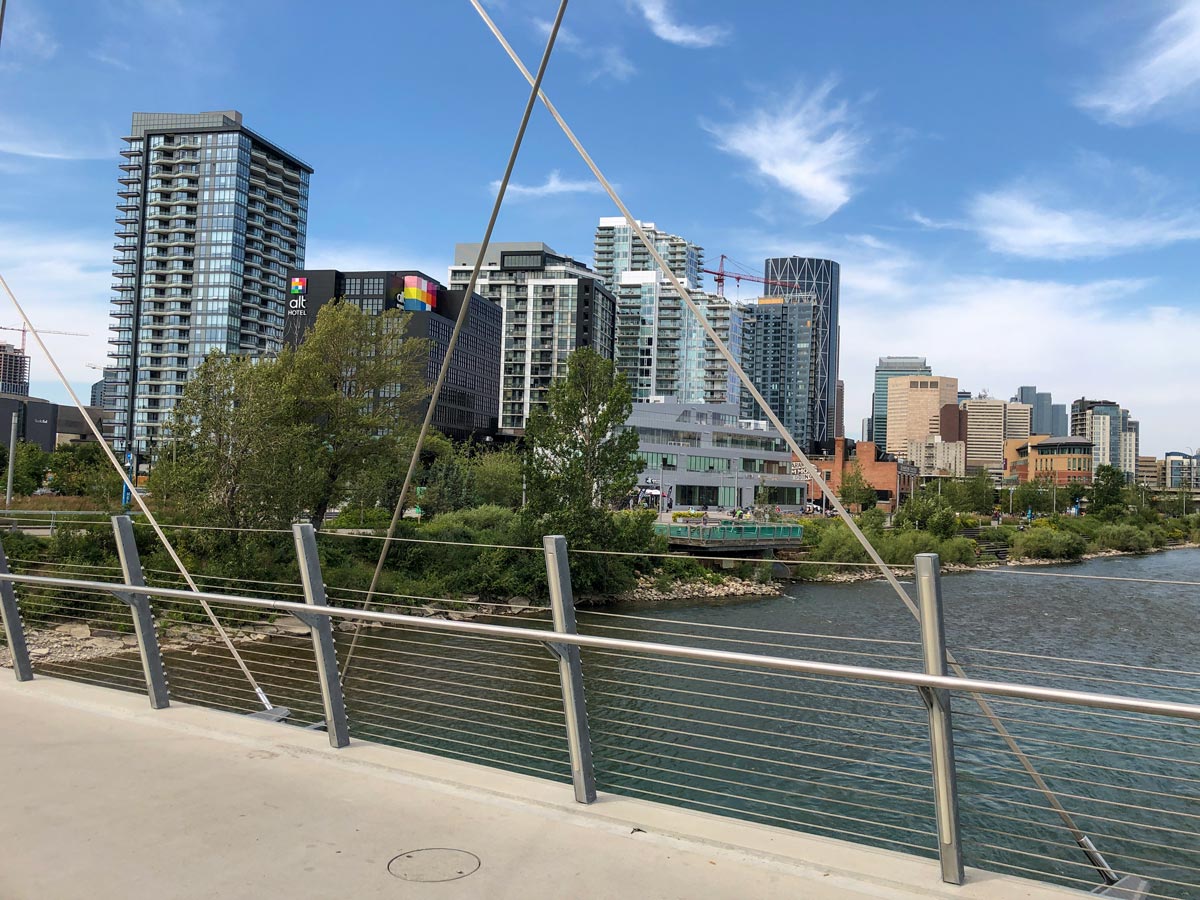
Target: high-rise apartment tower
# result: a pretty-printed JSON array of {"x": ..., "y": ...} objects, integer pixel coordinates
[{"x": 210, "y": 219}]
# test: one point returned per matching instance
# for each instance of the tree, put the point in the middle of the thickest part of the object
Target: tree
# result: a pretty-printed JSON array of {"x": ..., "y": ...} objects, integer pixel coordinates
[
  {"x": 578, "y": 454},
  {"x": 498, "y": 477},
  {"x": 855, "y": 491},
  {"x": 235, "y": 459},
  {"x": 1107, "y": 496},
  {"x": 359, "y": 385},
  {"x": 83, "y": 470},
  {"x": 30, "y": 467}
]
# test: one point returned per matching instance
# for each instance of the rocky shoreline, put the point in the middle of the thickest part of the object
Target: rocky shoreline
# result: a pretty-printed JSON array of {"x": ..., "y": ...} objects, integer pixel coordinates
[{"x": 647, "y": 592}]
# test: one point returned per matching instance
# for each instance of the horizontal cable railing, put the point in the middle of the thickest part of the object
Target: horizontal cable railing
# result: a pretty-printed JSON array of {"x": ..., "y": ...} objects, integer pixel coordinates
[{"x": 824, "y": 733}]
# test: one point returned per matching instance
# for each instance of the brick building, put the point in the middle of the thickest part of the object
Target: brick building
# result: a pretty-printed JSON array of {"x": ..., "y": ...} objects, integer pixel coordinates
[{"x": 889, "y": 477}]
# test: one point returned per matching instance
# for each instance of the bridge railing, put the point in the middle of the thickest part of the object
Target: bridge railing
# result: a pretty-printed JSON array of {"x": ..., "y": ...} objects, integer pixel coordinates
[
  {"x": 862, "y": 752},
  {"x": 730, "y": 531}
]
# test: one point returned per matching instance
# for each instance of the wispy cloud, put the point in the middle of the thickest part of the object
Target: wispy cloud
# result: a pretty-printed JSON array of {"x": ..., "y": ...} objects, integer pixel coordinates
[
  {"x": 608, "y": 60},
  {"x": 809, "y": 144},
  {"x": 554, "y": 184},
  {"x": 662, "y": 22},
  {"x": 110, "y": 60},
  {"x": 1161, "y": 77},
  {"x": 19, "y": 139},
  {"x": 1027, "y": 221},
  {"x": 27, "y": 38},
  {"x": 894, "y": 300},
  {"x": 59, "y": 277}
]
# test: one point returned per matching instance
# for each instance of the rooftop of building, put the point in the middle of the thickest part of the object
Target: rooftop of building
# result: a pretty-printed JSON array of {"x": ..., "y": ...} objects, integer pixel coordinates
[{"x": 215, "y": 120}]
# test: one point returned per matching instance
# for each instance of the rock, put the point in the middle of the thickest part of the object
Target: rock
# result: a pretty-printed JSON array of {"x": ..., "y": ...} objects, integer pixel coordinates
[
  {"x": 197, "y": 637},
  {"x": 471, "y": 598},
  {"x": 39, "y": 652},
  {"x": 347, "y": 626},
  {"x": 519, "y": 604},
  {"x": 75, "y": 630},
  {"x": 291, "y": 625},
  {"x": 129, "y": 640},
  {"x": 429, "y": 610},
  {"x": 266, "y": 629},
  {"x": 106, "y": 645},
  {"x": 462, "y": 615}
]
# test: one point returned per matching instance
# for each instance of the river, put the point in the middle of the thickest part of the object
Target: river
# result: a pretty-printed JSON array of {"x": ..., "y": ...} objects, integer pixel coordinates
[{"x": 825, "y": 756}]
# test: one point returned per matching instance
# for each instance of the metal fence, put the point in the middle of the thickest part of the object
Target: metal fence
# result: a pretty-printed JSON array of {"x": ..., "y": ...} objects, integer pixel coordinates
[{"x": 861, "y": 739}]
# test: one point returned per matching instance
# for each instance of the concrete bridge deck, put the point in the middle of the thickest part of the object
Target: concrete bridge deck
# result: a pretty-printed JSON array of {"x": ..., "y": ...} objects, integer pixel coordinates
[{"x": 102, "y": 797}]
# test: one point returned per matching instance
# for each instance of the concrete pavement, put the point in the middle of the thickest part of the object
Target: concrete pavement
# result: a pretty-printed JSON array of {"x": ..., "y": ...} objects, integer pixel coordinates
[{"x": 102, "y": 797}]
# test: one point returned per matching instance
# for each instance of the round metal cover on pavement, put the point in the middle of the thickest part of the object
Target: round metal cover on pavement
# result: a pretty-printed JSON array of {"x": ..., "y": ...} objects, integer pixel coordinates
[{"x": 434, "y": 864}]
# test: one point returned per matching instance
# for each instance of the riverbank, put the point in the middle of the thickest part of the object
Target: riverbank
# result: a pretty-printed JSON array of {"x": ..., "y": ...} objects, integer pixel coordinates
[
  {"x": 873, "y": 574},
  {"x": 648, "y": 590}
]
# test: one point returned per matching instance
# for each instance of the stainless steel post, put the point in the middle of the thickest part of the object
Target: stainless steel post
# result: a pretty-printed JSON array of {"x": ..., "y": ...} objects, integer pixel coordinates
[
  {"x": 570, "y": 669},
  {"x": 941, "y": 733},
  {"x": 330, "y": 676},
  {"x": 14, "y": 628},
  {"x": 143, "y": 618},
  {"x": 12, "y": 461}
]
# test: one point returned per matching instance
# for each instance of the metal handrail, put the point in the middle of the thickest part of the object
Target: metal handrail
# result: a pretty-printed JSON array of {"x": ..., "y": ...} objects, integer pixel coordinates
[{"x": 676, "y": 651}]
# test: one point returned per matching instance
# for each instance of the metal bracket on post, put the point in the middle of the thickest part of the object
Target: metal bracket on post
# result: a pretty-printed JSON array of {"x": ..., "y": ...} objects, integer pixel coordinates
[
  {"x": 143, "y": 618},
  {"x": 941, "y": 733},
  {"x": 570, "y": 670},
  {"x": 336, "y": 724},
  {"x": 14, "y": 628}
]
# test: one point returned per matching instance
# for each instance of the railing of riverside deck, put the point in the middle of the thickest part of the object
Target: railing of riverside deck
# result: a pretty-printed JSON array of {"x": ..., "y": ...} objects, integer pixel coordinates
[{"x": 827, "y": 734}]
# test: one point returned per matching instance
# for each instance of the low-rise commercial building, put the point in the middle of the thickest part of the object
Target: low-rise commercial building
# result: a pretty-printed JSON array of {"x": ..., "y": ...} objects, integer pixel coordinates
[
  {"x": 44, "y": 423},
  {"x": 1065, "y": 460},
  {"x": 704, "y": 455},
  {"x": 894, "y": 480}
]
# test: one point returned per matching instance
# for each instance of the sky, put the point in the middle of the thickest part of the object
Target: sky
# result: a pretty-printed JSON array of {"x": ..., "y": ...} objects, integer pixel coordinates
[{"x": 1010, "y": 189}]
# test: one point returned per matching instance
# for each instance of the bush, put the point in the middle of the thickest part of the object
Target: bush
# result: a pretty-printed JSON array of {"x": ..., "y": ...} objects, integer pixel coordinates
[
  {"x": 1124, "y": 537},
  {"x": 1048, "y": 543},
  {"x": 998, "y": 534}
]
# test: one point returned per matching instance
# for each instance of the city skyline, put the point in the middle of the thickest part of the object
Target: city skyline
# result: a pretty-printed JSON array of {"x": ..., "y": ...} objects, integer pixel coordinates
[{"x": 1064, "y": 262}]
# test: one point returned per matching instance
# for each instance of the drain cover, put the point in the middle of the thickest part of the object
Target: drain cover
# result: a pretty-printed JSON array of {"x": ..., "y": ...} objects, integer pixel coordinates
[{"x": 434, "y": 864}]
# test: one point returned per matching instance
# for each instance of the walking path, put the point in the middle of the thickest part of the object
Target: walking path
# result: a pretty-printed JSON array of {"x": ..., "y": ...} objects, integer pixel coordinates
[{"x": 105, "y": 798}]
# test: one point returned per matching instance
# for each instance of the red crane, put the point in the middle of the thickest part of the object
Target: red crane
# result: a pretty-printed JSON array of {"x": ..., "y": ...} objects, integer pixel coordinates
[{"x": 720, "y": 275}]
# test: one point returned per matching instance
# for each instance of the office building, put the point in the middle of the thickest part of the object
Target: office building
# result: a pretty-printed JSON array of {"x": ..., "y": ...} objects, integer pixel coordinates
[
  {"x": 1048, "y": 417},
  {"x": 1114, "y": 436},
  {"x": 887, "y": 368},
  {"x": 46, "y": 424},
  {"x": 550, "y": 305},
  {"x": 840, "y": 417},
  {"x": 866, "y": 428},
  {"x": 894, "y": 480},
  {"x": 211, "y": 217},
  {"x": 1147, "y": 471},
  {"x": 97, "y": 394},
  {"x": 467, "y": 406},
  {"x": 14, "y": 371},
  {"x": 934, "y": 456},
  {"x": 989, "y": 424},
  {"x": 914, "y": 405},
  {"x": 1060, "y": 425},
  {"x": 1179, "y": 471},
  {"x": 1065, "y": 460},
  {"x": 695, "y": 455}
]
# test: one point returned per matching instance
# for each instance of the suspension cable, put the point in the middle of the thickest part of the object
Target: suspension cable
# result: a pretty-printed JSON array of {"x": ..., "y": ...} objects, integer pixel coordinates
[
  {"x": 1080, "y": 837},
  {"x": 460, "y": 321},
  {"x": 136, "y": 496}
]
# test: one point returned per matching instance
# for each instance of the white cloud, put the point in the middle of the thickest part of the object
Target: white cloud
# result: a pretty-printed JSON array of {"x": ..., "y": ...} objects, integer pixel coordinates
[
  {"x": 608, "y": 61},
  {"x": 62, "y": 280},
  {"x": 1073, "y": 339},
  {"x": 1160, "y": 78},
  {"x": 111, "y": 60},
  {"x": 27, "y": 39},
  {"x": 555, "y": 184},
  {"x": 662, "y": 22},
  {"x": 807, "y": 144},
  {"x": 19, "y": 139},
  {"x": 1025, "y": 221}
]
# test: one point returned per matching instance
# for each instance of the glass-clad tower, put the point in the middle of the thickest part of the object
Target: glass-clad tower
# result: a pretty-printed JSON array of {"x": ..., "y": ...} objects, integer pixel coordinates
[{"x": 211, "y": 217}]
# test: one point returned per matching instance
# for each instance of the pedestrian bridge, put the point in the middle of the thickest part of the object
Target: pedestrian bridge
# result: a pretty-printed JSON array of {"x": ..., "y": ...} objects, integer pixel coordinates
[{"x": 731, "y": 536}]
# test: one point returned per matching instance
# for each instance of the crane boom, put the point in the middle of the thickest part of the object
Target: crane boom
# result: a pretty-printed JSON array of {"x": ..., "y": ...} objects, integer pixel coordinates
[
  {"x": 25, "y": 331},
  {"x": 720, "y": 274}
]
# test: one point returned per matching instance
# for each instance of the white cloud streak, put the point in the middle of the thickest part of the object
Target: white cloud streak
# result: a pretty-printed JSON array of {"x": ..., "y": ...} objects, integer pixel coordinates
[
  {"x": 18, "y": 139},
  {"x": 62, "y": 280},
  {"x": 607, "y": 60},
  {"x": 1161, "y": 78},
  {"x": 808, "y": 144},
  {"x": 664, "y": 25},
  {"x": 554, "y": 185},
  {"x": 1073, "y": 339},
  {"x": 1020, "y": 221}
]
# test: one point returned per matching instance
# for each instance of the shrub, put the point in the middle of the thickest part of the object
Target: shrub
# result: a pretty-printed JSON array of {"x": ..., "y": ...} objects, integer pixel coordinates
[
  {"x": 1123, "y": 537},
  {"x": 1048, "y": 543}
]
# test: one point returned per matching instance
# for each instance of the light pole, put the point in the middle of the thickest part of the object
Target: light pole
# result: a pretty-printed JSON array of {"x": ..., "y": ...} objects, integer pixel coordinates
[{"x": 1011, "y": 489}]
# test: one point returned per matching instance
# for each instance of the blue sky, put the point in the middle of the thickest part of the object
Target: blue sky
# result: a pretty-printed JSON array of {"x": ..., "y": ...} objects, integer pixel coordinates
[{"x": 1010, "y": 188}]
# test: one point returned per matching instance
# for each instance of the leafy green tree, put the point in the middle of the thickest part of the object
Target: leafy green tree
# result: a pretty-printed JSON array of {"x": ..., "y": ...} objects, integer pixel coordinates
[
  {"x": 976, "y": 494},
  {"x": 918, "y": 509},
  {"x": 30, "y": 467},
  {"x": 498, "y": 477},
  {"x": 235, "y": 458},
  {"x": 855, "y": 491},
  {"x": 1107, "y": 495},
  {"x": 82, "y": 470},
  {"x": 578, "y": 454},
  {"x": 449, "y": 486},
  {"x": 358, "y": 385}
]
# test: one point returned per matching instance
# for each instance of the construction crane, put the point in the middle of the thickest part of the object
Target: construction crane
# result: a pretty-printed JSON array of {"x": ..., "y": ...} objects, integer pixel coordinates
[
  {"x": 720, "y": 274},
  {"x": 24, "y": 330}
]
